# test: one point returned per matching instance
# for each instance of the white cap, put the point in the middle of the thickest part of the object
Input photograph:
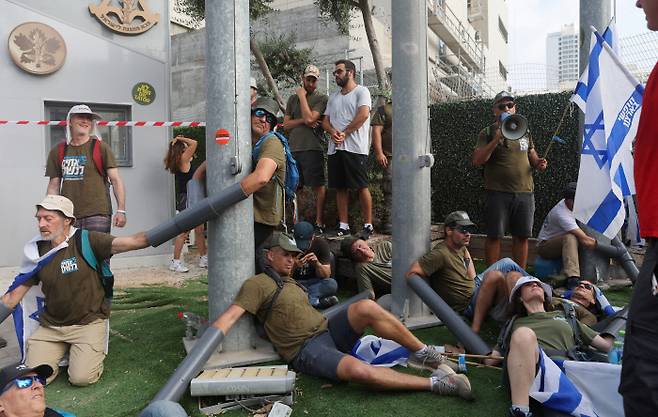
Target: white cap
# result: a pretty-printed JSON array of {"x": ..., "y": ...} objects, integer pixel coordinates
[
  {"x": 526, "y": 279},
  {"x": 59, "y": 203},
  {"x": 82, "y": 109}
]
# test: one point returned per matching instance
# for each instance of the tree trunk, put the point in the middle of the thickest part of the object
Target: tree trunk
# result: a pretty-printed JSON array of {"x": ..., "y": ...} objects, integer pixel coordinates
[
  {"x": 380, "y": 70},
  {"x": 255, "y": 49}
]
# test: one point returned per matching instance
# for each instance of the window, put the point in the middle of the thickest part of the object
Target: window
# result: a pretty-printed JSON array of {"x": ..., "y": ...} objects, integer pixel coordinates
[
  {"x": 502, "y": 70},
  {"x": 118, "y": 137},
  {"x": 503, "y": 30}
]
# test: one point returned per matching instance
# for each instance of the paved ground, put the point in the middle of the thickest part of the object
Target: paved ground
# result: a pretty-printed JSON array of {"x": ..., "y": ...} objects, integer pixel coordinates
[{"x": 124, "y": 277}]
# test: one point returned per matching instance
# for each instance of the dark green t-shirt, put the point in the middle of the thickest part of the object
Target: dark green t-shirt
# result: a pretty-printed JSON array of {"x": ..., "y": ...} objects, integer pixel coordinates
[
  {"x": 448, "y": 274},
  {"x": 508, "y": 168},
  {"x": 73, "y": 290},
  {"x": 292, "y": 319},
  {"x": 304, "y": 138},
  {"x": 80, "y": 180},
  {"x": 268, "y": 201},
  {"x": 384, "y": 117},
  {"x": 553, "y": 331}
]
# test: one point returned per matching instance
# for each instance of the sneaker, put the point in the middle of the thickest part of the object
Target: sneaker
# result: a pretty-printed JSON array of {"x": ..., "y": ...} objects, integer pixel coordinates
[
  {"x": 515, "y": 412},
  {"x": 327, "y": 302},
  {"x": 177, "y": 265},
  {"x": 318, "y": 229},
  {"x": 340, "y": 232},
  {"x": 203, "y": 261},
  {"x": 366, "y": 232},
  {"x": 446, "y": 382},
  {"x": 430, "y": 360}
]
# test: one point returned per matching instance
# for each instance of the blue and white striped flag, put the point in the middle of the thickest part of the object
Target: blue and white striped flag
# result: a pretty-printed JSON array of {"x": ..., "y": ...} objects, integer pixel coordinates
[
  {"x": 566, "y": 386},
  {"x": 380, "y": 352},
  {"x": 613, "y": 100}
]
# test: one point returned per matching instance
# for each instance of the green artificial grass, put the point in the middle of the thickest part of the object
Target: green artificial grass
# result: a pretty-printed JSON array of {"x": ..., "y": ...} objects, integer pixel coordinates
[{"x": 145, "y": 348}]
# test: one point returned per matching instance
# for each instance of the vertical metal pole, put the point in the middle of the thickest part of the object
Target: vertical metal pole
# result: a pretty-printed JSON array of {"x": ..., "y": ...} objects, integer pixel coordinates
[
  {"x": 230, "y": 236},
  {"x": 411, "y": 182}
]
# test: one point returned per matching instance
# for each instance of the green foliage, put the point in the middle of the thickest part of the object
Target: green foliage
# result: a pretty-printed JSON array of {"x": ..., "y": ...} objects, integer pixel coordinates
[
  {"x": 337, "y": 11},
  {"x": 285, "y": 61},
  {"x": 198, "y": 134},
  {"x": 196, "y": 9},
  {"x": 458, "y": 185}
]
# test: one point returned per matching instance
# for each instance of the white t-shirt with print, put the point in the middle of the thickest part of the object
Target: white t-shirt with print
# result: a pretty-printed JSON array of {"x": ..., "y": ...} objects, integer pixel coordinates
[{"x": 342, "y": 109}]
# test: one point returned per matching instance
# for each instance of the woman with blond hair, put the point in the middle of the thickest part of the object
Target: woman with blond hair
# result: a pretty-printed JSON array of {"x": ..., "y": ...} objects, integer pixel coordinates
[{"x": 178, "y": 161}]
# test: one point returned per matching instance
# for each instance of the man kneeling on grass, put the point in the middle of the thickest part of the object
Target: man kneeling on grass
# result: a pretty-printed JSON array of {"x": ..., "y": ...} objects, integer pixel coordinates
[{"x": 320, "y": 347}]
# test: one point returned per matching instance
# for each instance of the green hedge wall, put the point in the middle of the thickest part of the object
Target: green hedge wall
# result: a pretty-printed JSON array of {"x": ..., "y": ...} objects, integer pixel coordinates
[{"x": 458, "y": 185}]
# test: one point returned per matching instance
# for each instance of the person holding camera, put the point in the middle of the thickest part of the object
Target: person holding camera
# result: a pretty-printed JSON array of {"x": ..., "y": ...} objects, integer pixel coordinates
[{"x": 510, "y": 202}]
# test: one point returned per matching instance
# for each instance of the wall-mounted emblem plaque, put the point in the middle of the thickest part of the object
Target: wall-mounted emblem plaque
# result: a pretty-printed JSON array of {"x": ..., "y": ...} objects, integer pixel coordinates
[
  {"x": 128, "y": 17},
  {"x": 37, "y": 48}
]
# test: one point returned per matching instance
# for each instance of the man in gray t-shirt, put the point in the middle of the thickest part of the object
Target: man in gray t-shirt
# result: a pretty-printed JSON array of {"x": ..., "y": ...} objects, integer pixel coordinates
[{"x": 347, "y": 121}]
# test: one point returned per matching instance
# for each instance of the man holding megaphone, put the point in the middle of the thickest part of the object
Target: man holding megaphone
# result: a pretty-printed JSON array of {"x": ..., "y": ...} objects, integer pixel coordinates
[{"x": 508, "y": 155}]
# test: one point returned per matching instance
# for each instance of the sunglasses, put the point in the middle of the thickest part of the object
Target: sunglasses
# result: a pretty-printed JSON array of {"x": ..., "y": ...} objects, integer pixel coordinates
[
  {"x": 25, "y": 382},
  {"x": 464, "y": 229},
  {"x": 268, "y": 116},
  {"x": 505, "y": 106},
  {"x": 585, "y": 285}
]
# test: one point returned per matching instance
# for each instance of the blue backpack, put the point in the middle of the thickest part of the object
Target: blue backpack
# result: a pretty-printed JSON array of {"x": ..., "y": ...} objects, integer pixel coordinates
[{"x": 292, "y": 172}]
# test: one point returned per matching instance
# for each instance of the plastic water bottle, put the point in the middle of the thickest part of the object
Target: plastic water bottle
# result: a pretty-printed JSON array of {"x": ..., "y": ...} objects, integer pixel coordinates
[
  {"x": 461, "y": 364},
  {"x": 620, "y": 339},
  {"x": 615, "y": 354}
]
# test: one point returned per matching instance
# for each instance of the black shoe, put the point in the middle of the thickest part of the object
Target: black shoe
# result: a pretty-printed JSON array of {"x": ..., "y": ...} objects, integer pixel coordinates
[
  {"x": 366, "y": 232},
  {"x": 327, "y": 302},
  {"x": 515, "y": 412},
  {"x": 340, "y": 232},
  {"x": 3, "y": 343},
  {"x": 318, "y": 230}
]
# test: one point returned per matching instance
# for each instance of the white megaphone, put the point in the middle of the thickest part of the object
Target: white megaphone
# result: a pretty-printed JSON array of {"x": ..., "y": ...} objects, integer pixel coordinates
[{"x": 513, "y": 126}]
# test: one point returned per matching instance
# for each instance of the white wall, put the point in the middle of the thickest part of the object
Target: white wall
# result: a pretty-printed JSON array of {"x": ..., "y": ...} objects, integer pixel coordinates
[{"x": 100, "y": 67}]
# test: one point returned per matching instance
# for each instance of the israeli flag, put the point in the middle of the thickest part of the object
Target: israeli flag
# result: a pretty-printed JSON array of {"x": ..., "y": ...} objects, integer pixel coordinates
[
  {"x": 613, "y": 100},
  {"x": 377, "y": 351},
  {"x": 566, "y": 386},
  {"x": 26, "y": 313}
]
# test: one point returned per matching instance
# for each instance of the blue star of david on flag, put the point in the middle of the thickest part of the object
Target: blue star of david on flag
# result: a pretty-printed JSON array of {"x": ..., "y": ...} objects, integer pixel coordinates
[
  {"x": 589, "y": 130},
  {"x": 41, "y": 305}
]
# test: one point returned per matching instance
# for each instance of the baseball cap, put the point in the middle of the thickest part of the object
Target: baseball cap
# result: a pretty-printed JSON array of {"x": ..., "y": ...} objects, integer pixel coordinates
[
  {"x": 283, "y": 240},
  {"x": 17, "y": 370},
  {"x": 58, "y": 203},
  {"x": 503, "y": 95},
  {"x": 267, "y": 104},
  {"x": 311, "y": 71},
  {"x": 303, "y": 235},
  {"x": 252, "y": 83},
  {"x": 83, "y": 109},
  {"x": 570, "y": 190},
  {"x": 526, "y": 279},
  {"x": 458, "y": 218}
]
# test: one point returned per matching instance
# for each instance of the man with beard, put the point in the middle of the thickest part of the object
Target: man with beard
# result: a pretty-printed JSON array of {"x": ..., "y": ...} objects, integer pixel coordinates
[
  {"x": 451, "y": 273},
  {"x": 302, "y": 123},
  {"x": 82, "y": 169},
  {"x": 347, "y": 121},
  {"x": 77, "y": 307}
]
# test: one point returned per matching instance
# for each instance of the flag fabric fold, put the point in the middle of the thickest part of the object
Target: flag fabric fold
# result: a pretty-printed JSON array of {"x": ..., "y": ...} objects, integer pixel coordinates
[{"x": 380, "y": 352}]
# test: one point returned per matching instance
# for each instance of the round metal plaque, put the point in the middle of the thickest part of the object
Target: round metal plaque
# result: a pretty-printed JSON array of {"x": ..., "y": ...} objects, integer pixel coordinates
[{"x": 37, "y": 48}]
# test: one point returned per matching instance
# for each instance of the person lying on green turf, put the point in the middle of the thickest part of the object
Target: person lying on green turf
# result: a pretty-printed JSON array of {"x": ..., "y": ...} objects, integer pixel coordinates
[
  {"x": 316, "y": 346},
  {"x": 65, "y": 288}
]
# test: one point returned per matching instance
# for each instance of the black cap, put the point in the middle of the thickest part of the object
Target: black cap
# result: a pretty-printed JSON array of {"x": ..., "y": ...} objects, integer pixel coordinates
[
  {"x": 570, "y": 190},
  {"x": 304, "y": 235},
  {"x": 11, "y": 372},
  {"x": 503, "y": 95}
]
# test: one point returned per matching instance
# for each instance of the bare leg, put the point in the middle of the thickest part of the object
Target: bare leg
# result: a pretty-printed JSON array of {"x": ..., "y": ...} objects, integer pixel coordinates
[
  {"x": 178, "y": 244},
  {"x": 521, "y": 361},
  {"x": 200, "y": 240},
  {"x": 493, "y": 288},
  {"x": 352, "y": 369},
  {"x": 366, "y": 204},
  {"x": 321, "y": 196},
  {"x": 491, "y": 250},
  {"x": 342, "y": 199},
  {"x": 520, "y": 250},
  {"x": 367, "y": 313}
]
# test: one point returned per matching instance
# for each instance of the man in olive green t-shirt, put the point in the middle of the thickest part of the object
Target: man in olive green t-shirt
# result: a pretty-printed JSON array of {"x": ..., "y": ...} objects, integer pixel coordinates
[
  {"x": 382, "y": 143},
  {"x": 303, "y": 125},
  {"x": 74, "y": 173},
  {"x": 510, "y": 202},
  {"x": 318, "y": 346},
  {"x": 76, "y": 312}
]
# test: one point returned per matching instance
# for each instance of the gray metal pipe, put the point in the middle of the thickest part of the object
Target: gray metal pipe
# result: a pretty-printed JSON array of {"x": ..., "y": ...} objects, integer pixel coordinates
[
  {"x": 333, "y": 310},
  {"x": 618, "y": 251},
  {"x": 207, "y": 209},
  {"x": 613, "y": 324},
  {"x": 191, "y": 366},
  {"x": 471, "y": 341}
]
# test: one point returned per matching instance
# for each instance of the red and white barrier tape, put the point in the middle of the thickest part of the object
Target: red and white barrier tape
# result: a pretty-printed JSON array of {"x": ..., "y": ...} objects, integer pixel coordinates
[{"x": 130, "y": 123}]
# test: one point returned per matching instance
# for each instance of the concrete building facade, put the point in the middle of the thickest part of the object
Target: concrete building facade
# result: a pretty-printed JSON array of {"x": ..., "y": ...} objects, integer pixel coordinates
[{"x": 101, "y": 69}]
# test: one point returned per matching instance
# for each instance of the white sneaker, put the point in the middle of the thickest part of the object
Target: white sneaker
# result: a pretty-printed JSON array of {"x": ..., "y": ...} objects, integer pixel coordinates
[
  {"x": 203, "y": 261},
  {"x": 177, "y": 265}
]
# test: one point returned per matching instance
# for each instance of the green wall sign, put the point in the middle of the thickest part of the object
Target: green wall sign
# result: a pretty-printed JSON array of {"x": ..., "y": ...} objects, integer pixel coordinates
[{"x": 143, "y": 93}]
